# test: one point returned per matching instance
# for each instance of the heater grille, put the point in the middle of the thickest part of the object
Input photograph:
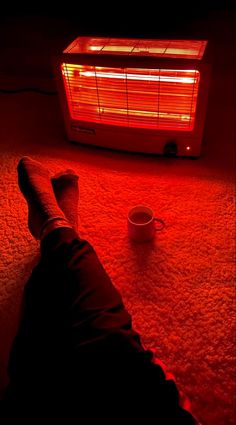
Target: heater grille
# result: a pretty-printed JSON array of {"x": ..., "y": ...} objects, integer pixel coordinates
[{"x": 162, "y": 99}]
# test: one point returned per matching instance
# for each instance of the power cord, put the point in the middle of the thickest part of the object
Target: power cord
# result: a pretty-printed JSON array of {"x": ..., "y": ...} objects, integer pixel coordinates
[{"x": 29, "y": 89}]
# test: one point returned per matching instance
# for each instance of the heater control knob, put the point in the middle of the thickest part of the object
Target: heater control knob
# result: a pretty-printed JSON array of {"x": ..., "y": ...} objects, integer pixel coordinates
[{"x": 170, "y": 148}]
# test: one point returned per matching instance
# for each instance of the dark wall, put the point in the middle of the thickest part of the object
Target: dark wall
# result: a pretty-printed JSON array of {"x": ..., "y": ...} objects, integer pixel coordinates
[
  {"x": 31, "y": 35},
  {"x": 119, "y": 17}
]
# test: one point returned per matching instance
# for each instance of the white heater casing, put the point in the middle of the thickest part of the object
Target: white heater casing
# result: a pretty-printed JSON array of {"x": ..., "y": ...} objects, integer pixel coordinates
[{"x": 108, "y": 101}]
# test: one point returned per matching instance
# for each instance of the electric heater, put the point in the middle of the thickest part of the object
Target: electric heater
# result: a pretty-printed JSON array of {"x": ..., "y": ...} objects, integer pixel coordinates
[{"x": 135, "y": 94}]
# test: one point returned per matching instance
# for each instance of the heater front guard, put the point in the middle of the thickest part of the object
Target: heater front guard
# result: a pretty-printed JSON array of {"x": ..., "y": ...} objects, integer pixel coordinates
[{"x": 124, "y": 85}]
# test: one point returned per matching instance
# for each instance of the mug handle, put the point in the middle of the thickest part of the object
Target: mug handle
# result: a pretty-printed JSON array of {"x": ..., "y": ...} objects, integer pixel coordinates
[{"x": 161, "y": 226}]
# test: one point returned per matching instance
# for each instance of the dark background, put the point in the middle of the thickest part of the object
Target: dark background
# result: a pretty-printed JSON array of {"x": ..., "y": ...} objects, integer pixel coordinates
[
  {"x": 122, "y": 18},
  {"x": 31, "y": 34}
]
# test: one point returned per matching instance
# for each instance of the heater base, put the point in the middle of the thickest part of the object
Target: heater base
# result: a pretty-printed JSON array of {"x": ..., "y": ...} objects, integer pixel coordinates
[{"x": 139, "y": 141}]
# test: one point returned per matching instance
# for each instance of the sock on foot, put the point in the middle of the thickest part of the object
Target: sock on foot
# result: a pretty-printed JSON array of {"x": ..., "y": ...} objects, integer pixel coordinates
[
  {"x": 35, "y": 184},
  {"x": 66, "y": 189}
]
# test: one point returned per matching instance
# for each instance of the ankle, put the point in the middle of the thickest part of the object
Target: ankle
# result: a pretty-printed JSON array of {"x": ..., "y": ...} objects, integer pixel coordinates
[{"x": 51, "y": 224}]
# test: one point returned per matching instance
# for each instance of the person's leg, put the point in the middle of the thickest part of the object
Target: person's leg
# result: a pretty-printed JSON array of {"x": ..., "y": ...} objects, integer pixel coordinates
[
  {"x": 39, "y": 323},
  {"x": 71, "y": 305},
  {"x": 75, "y": 334},
  {"x": 103, "y": 351}
]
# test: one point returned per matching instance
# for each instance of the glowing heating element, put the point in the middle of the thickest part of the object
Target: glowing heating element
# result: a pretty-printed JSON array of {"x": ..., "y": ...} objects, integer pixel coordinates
[
  {"x": 135, "y": 95},
  {"x": 163, "y": 99}
]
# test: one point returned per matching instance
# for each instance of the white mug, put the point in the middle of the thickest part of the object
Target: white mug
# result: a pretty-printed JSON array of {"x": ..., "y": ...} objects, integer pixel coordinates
[{"x": 142, "y": 223}]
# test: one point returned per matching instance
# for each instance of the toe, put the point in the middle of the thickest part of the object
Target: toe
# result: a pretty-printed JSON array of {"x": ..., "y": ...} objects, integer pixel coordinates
[{"x": 69, "y": 173}]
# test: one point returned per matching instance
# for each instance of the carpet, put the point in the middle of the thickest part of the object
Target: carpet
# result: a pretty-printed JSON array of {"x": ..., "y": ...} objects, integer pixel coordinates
[{"x": 178, "y": 288}]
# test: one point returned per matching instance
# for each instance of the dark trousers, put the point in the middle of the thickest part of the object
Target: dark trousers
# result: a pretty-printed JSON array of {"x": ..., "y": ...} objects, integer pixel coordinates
[{"x": 75, "y": 337}]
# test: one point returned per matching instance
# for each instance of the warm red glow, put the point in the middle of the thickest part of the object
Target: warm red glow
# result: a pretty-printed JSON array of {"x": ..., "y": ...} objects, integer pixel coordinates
[
  {"x": 188, "y": 148},
  {"x": 132, "y": 97},
  {"x": 188, "y": 49}
]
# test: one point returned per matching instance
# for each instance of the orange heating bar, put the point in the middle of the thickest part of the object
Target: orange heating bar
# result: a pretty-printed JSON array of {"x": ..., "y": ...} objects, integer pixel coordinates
[{"x": 132, "y": 97}]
